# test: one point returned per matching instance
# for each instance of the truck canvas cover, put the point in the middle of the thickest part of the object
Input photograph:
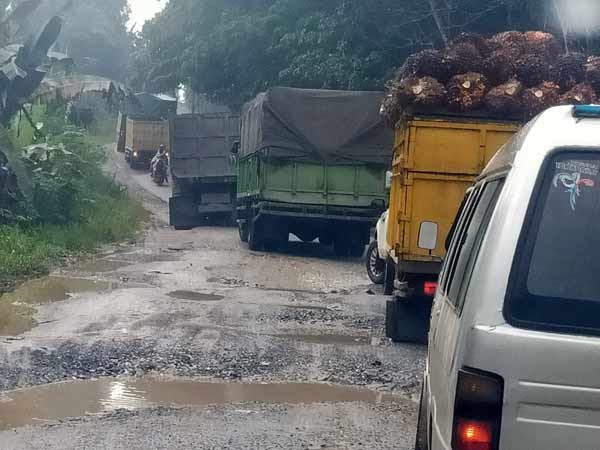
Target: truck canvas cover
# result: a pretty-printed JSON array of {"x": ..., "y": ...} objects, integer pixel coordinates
[
  {"x": 333, "y": 127},
  {"x": 201, "y": 145}
]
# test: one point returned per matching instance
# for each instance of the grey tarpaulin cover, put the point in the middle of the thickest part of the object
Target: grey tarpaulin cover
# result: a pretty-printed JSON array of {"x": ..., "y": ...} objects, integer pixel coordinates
[{"x": 317, "y": 125}]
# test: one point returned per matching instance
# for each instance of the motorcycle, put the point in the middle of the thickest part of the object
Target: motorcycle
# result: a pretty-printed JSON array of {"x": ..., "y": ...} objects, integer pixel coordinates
[{"x": 160, "y": 171}]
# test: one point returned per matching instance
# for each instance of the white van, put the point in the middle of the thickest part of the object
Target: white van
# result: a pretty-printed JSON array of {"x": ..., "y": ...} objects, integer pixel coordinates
[{"x": 514, "y": 346}]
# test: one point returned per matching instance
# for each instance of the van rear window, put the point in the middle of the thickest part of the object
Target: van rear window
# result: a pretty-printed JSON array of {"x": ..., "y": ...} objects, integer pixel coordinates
[{"x": 557, "y": 275}]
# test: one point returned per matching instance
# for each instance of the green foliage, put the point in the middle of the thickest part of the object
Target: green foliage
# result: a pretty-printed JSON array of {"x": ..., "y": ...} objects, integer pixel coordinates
[
  {"x": 73, "y": 205},
  {"x": 94, "y": 31},
  {"x": 232, "y": 49}
]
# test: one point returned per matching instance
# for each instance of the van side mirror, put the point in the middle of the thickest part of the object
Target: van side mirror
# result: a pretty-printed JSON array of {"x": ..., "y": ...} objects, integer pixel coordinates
[
  {"x": 388, "y": 180},
  {"x": 428, "y": 235},
  {"x": 235, "y": 149}
]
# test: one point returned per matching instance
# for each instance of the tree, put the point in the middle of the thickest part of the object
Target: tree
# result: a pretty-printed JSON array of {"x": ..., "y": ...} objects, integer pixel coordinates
[{"x": 232, "y": 49}]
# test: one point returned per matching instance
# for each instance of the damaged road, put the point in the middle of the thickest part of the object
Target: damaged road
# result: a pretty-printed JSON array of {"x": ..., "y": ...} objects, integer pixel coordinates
[{"x": 178, "y": 308}]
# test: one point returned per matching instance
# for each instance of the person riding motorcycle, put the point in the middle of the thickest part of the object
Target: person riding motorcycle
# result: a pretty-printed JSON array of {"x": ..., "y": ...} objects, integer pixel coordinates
[{"x": 161, "y": 154}]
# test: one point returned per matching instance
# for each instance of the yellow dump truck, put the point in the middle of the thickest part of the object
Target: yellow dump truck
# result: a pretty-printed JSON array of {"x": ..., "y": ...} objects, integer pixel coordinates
[
  {"x": 436, "y": 159},
  {"x": 143, "y": 138}
]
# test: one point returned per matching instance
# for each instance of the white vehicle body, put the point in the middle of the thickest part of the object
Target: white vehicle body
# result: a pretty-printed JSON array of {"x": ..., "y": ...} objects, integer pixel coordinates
[
  {"x": 382, "y": 243},
  {"x": 501, "y": 313}
]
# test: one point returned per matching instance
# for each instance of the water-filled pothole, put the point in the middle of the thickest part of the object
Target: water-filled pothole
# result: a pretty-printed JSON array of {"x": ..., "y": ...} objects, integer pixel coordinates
[
  {"x": 75, "y": 399},
  {"x": 195, "y": 296},
  {"x": 16, "y": 313}
]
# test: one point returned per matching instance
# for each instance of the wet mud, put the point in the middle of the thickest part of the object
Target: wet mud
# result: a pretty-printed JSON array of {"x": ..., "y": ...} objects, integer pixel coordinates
[{"x": 195, "y": 296}]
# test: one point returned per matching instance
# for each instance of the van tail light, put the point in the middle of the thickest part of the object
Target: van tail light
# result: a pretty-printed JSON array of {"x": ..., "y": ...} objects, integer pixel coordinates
[
  {"x": 477, "y": 411},
  {"x": 430, "y": 288}
]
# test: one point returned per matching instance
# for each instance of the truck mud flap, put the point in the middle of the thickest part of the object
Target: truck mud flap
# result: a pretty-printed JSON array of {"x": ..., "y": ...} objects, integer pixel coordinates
[
  {"x": 183, "y": 213},
  {"x": 407, "y": 319}
]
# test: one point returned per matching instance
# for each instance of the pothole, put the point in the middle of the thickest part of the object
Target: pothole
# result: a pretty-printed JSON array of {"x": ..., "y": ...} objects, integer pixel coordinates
[
  {"x": 54, "y": 289},
  {"x": 195, "y": 296},
  {"x": 75, "y": 399},
  {"x": 16, "y": 312}
]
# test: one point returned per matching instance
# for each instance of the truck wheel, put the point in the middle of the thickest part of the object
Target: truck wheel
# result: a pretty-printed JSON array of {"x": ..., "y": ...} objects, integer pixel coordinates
[
  {"x": 243, "y": 231},
  {"x": 326, "y": 240},
  {"x": 254, "y": 238},
  {"x": 341, "y": 247},
  {"x": 375, "y": 265},
  {"x": 389, "y": 277},
  {"x": 357, "y": 249},
  {"x": 422, "y": 439},
  {"x": 407, "y": 319}
]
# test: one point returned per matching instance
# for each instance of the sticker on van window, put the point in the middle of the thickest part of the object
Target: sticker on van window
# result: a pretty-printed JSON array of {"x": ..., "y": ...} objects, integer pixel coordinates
[
  {"x": 581, "y": 167},
  {"x": 573, "y": 183}
]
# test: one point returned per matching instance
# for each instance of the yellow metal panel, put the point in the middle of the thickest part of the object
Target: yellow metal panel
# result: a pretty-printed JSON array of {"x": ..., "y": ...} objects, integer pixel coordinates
[
  {"x": 434, "y": 199},
  {"x": 435, "y": 161}
]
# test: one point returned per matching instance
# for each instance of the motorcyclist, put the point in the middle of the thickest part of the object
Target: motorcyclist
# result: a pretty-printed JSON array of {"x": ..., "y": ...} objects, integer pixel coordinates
[{"x": 161, "y": 154}]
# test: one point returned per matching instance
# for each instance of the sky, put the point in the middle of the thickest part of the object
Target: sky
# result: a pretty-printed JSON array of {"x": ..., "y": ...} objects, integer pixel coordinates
[{"x": 143, "y": 10}]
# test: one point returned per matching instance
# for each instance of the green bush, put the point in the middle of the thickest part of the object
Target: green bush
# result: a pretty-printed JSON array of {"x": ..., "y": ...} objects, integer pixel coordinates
[{"x": 74, "y": 206}]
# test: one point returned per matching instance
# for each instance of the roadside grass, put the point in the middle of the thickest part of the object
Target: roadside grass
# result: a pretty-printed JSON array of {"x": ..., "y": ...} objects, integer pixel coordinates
[
  {"x": 31, "y": 251},
  {"x": 72, "y": 206}
]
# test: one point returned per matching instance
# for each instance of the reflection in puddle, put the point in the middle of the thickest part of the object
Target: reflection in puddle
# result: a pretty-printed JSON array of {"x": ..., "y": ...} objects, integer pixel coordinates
[
  {"x": 15, "y": 319},
  {"x": 326, "y": 339},
  {"x": 76, "y": 399},
  {"x": 54, "y": 289},
  {"x": 195, "y": 296}
]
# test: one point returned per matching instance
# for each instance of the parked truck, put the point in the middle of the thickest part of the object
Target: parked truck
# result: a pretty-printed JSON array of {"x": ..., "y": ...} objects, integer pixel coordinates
[
  {"x": 202, "y": 169},
  {"x": 312, "y": 163},
  {"x": 143, "y": 137},
  {"x": 436, "y": 159}
]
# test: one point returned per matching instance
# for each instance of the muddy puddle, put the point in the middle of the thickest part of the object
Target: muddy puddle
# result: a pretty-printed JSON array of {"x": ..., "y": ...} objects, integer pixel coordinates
[
  {"x": 195, "y": 296},
  {"x": 308, "y": 308},
  {"x": 326, "y": 339},
  {"x": 54, "y": 289},
  {"x": 75, "y": 399},
  {"x": 16, "y": 313}
]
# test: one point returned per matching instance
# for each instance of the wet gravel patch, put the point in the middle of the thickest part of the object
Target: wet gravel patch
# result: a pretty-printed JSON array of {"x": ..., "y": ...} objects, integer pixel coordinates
[
  {"x": 264, "y": 359},
  {"x": 28, "y": 367},
  {"x": 380, "y": 365},
  {"x": 312, "y": 315},
  {"x": 351, "y": 426}
]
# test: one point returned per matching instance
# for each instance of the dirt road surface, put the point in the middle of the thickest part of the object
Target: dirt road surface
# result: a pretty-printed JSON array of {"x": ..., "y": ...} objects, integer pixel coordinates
[{"x": 189, "y": 340}]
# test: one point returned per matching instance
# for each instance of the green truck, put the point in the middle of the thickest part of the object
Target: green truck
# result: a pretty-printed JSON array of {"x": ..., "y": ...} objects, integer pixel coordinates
[
  {"x": 203, "y": 177},
  {"x": 312, "y": 163}
]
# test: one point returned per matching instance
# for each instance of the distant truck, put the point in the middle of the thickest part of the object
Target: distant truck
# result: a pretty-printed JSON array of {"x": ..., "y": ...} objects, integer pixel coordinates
[
  {"x": 142, "y": 139},
  {"x": 312, "y": 163},
  {"x": 203, "y": 169},
  {"x": 436, "y": 159}
]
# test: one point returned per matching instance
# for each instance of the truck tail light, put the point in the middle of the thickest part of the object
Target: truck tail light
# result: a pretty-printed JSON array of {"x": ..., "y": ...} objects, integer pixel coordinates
[
  {"x": 477, "y": 411},
  {"x": 430, "y": 288}
]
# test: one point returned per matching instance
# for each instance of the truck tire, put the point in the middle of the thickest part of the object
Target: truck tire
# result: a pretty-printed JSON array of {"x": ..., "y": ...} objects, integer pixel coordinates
[
  {"x": 357, "y": 249},
  {"x": 341, "y": 247},
  {"x": 407, "y": 319},
  {"x": 389, "y": 277},
  {"x": 243, "y": 231},
  {"x": 375, "y": 265},
  {"x": 326, "y": 240},
  {"x": 255, "y": 242}
]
